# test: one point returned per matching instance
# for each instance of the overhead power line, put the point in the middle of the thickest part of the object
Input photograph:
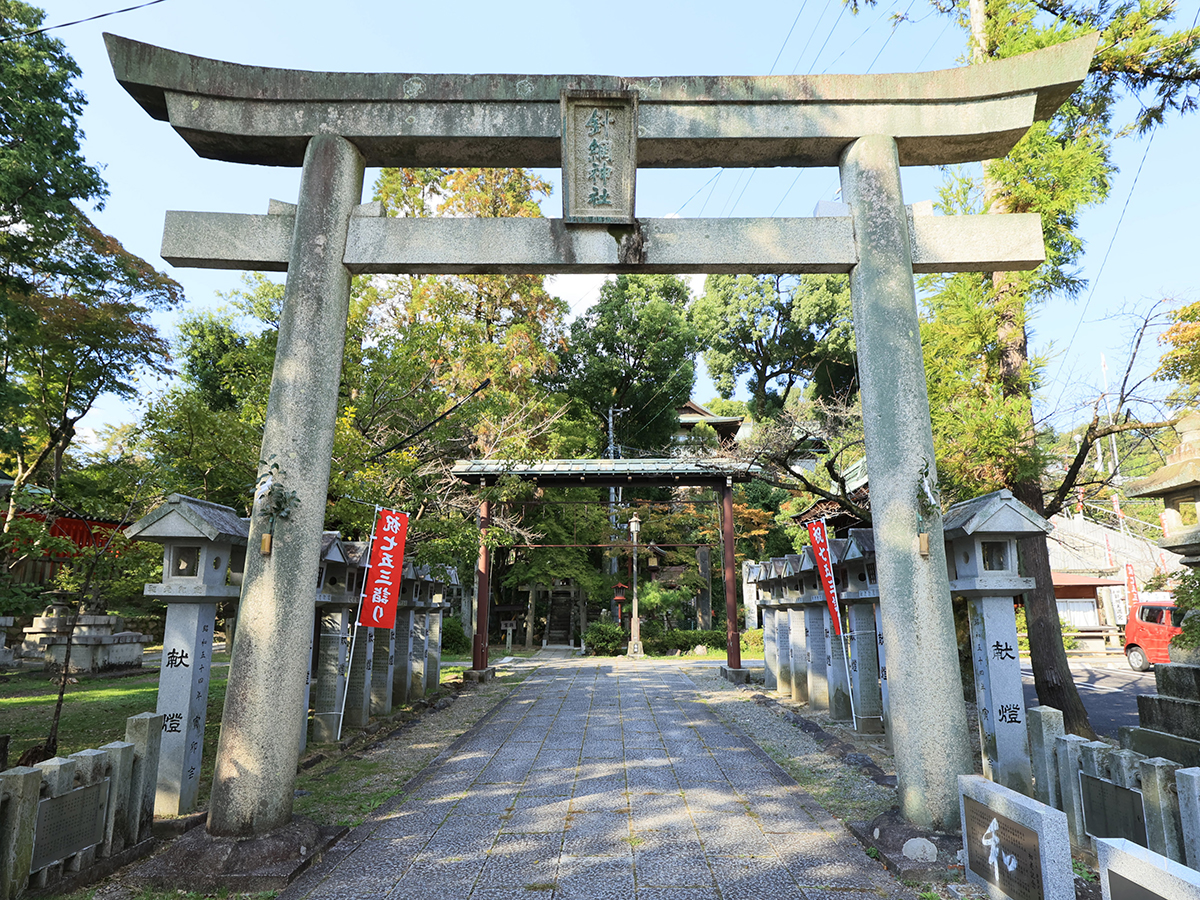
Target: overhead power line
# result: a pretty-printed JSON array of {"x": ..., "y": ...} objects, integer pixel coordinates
[{"x": 115, "y": 12}]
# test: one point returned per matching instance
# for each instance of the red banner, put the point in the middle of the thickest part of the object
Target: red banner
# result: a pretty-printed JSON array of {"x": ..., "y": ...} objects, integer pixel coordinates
[
  {"x": 1131, "y": 588},
  {"x": 382, "y": 591},
  {"x": 820, "y": 545}
]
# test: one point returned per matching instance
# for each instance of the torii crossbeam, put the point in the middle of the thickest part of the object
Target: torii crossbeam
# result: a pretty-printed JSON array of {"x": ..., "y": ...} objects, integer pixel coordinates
[{"x": 600, "y": 129}]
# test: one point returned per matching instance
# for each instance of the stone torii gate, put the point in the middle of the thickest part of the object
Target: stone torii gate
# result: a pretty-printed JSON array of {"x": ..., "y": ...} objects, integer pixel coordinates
[{"x": 600, "y": 129}]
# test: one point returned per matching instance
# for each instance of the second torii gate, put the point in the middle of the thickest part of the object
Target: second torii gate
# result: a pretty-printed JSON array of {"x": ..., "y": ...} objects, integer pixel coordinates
[{"x": 600, "y": 129}]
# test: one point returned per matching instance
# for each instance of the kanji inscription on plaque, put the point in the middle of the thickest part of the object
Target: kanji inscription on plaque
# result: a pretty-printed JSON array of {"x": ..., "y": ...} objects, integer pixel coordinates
[{"x": 599, "y": 156}]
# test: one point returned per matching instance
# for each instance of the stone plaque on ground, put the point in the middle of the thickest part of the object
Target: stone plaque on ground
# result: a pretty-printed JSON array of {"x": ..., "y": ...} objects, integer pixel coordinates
[
  {"x": 599, "y": 156},
  {"x": 1016, "y": 847},
  {"x": 1130, "y": 872},
  {"x": 69, "y": 823},
  {"x": 1002, "y": 852},
  {"x": 1112, "y": 811}
]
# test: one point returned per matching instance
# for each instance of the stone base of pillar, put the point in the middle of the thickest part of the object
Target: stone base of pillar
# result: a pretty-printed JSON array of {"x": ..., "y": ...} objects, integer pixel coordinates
[
  {"x": 199, "y": 861},
  {"x": 479, "y": 676},
  {"x": 735, "y": 676}
]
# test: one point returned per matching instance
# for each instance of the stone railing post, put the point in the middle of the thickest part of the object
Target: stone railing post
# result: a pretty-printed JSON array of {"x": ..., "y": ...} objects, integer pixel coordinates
[
  {"x": 20, "y": 789},
  {"x": 1187, "y": 783},
  {"x": 144, "y": 731},
  {"x": 1045, "y": 727},
  {"x": 1163, "y": 831},
  {"x": 1068, "y": 750},
  {"x": 120, "y": 801}
]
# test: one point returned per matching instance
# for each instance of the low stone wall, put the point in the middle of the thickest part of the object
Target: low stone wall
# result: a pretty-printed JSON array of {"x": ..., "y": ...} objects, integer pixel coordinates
[{"x": 65, "y": 816}]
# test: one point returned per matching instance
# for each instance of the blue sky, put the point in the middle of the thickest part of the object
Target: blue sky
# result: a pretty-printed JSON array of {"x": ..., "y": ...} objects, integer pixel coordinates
[{"x": 150, "y": 170}]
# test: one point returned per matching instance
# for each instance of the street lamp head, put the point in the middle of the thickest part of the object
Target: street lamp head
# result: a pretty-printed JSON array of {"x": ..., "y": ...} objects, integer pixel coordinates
[{"x": 635, "y": 526}]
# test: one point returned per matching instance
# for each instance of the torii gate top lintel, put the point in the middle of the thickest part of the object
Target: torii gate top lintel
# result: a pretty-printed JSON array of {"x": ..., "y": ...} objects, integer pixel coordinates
[{"x": 261, "y": 115}]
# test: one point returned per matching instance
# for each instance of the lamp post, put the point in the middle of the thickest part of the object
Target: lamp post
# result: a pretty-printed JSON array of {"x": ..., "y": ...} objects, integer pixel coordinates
[{"x": 635, "y": 625}]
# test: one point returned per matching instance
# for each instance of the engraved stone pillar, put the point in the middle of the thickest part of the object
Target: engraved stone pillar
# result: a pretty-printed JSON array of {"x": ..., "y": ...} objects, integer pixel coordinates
[
  {"x": 433, "y": 651},
  {"x": 749, "y": 597},
  {"x": 306, "y": 704},
  {"x": 259, "y": 745},
  {"x": 358, "y": 683},
  {"x": 383, "y": 666},
  {"x": 883, "y": 678},
  {"x": 864, "y": 669},
  {"x": 783, "y": 647},
  {"x": 770, "y": 649},
  {"x": 999, "y": 694},
  {"x": 333, "y": 651},
  {"x": 183, "y": 704},
  {"x": 798, "y": 638},
  {"x": 420, "y": 650},
  {"x": 818, "y": 666},
  {"x": 930, "y": 752},
  {"x": 402, "y": 672},
  {"x": 837, "y": 674}
]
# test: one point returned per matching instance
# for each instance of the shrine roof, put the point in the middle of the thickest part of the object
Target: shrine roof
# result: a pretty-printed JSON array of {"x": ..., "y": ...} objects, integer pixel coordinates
[{"x": 606, "y": 472}]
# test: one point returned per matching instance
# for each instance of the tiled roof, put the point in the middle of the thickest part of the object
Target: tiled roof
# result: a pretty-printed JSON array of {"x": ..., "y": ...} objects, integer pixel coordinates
[{"x": 607, "y": 471}]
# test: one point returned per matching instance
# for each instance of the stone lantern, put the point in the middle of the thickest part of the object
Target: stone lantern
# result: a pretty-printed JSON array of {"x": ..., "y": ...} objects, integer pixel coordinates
[
  {"x": 199, "y": 539},
  {"x": 981, "y": 555}
]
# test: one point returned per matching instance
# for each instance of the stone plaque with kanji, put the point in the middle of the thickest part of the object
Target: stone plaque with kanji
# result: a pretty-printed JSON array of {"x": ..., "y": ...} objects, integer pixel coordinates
[{"x": 599, "y": 156}]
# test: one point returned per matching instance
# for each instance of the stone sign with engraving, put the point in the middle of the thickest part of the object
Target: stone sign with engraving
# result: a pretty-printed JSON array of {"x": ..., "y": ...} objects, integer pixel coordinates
[{"x": 599, "y": 156}]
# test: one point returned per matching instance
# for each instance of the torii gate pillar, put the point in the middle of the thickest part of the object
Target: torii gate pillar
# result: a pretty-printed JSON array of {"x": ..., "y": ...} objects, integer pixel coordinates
[
  {"x": 260, "y": 731},
  {"x": 918, "y": 623}
]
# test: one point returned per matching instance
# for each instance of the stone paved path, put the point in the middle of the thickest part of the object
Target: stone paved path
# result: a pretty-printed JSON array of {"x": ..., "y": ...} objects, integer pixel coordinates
[{"x": 598, "y": 780}]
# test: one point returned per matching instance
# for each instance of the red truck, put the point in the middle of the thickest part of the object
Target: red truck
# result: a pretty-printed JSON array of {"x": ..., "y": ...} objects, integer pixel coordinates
[{"x": 1150, "y": 627}]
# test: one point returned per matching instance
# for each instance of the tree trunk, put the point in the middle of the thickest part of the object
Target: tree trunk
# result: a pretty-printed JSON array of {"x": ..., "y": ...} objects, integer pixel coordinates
[{"x": 1051, "y": 674}]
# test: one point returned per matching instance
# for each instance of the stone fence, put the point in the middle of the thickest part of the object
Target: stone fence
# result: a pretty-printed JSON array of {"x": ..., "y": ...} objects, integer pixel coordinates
[
  {"x": 1116, "y": 793},
  {"x": 92, "y": 809}
]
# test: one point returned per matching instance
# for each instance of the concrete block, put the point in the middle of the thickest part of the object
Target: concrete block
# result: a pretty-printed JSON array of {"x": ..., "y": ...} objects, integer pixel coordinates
[
  {"x": 997, "y": 848},
  {"x": 735, "y": 676},
  {"x": 479, "y": 676}
]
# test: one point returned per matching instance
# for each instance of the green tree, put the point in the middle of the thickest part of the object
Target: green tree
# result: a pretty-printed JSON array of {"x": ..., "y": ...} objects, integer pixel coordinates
[
  {"x": 633, "y": 351},
  {"x": 91, "y": 335},
  {"x": 42, "y": 175},
  {"x": 1059, "y": 168},
  {"x": 783, "y": 331}
]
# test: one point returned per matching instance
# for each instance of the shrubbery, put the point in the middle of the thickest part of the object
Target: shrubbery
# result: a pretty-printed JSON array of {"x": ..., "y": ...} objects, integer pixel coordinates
[
  {"x": 752, "y": 641},
  {"x": 454, "y": 638},
  {"x": 605, "y": 638},
  {"x": 610, "y": 639}
]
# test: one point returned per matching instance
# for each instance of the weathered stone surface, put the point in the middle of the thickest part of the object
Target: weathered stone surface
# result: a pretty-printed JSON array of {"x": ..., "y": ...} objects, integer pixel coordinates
[
  {"x": 917, "y": 621},
  {"x": 1174, "y": 680},
  {"x": 1180, "y": 718},
  {"x": 464, "y": 246},
  {"x": 920, "y": 849},
  {"x": 260, "y": 729},
  {"x": 1149, "y": 742},
  {"x": 260, "y": 115}
]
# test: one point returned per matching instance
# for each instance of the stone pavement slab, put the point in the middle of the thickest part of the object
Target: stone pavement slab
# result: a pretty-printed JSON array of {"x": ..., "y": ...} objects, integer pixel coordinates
[{"x": 595, "y": 780}]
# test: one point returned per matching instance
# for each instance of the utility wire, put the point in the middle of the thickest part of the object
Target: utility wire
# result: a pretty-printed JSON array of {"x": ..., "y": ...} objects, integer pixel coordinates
[
  {"x": 115, "y": 12},
  {"x": 1104, "y": 261}
]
